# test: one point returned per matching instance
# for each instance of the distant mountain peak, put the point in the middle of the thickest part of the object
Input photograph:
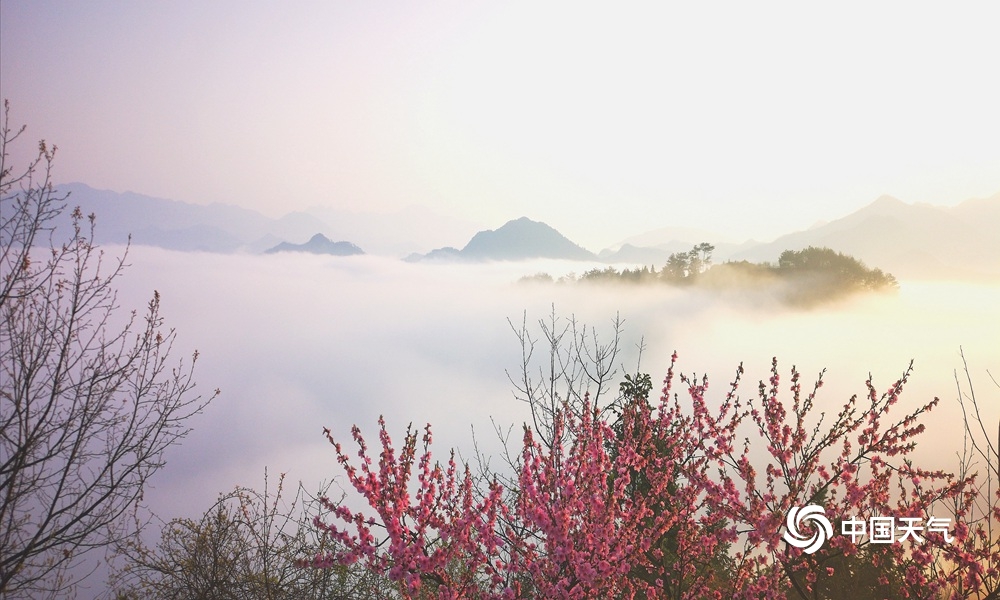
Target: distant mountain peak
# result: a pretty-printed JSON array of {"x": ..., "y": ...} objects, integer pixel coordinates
[
  {"x": 887, "y": 202},
  {"x": 910, "y": 240},
  {"x": 318, "y": 244},
  {"x": 518, "y": 239}
]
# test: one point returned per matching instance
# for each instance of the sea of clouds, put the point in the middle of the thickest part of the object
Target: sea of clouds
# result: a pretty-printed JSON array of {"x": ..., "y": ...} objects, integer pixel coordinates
[{"x": 297, "y": 343}]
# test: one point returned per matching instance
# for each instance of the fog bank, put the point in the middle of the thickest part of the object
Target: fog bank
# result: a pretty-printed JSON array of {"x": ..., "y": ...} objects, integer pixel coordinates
[{"x": 298, "y": 343}]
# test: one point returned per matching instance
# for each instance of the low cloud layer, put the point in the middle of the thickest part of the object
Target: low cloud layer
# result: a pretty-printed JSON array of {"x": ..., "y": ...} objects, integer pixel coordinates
[{"x": 298, "y": 343}]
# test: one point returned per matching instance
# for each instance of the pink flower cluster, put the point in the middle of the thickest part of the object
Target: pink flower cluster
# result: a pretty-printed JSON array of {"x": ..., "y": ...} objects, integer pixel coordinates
[{"x": 673, "y": 500}]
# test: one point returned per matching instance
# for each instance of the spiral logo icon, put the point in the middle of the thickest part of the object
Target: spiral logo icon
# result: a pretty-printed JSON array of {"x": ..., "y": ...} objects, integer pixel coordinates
[{"x": 811, "y": 513}]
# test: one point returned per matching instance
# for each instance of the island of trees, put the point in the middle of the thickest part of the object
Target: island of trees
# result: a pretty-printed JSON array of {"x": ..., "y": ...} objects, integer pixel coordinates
[{"x": 801, "y": 277}]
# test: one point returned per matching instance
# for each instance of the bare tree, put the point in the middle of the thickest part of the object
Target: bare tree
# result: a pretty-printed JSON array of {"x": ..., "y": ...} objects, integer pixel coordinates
[
  {"x": 977, "y": 508},
  {"x": 89, "y": 399},
  {"x": 577, "y": 364},
  {"x": 249, "y": 545}
]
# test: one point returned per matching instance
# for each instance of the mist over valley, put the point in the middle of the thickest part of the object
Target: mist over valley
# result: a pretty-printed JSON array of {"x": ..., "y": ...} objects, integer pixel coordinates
[
  {"x": 299, "y": 339},
  {"x": 299, "y": 342}
]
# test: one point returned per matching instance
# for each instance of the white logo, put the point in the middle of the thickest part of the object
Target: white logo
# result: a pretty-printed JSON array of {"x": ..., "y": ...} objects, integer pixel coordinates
[{"x": 812, "y": 513}]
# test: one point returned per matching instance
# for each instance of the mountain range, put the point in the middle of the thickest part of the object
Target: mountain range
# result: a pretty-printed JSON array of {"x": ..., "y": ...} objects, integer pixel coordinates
[
  {"x": 908, "y": 240},
  {"x": 225, "y": 228},
  {"x": 318, "y": 244},
  {"x": 182, "y": 226}
]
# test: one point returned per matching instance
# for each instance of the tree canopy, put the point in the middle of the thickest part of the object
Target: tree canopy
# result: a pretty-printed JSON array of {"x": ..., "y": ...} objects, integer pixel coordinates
[{"x": 800, "y": 277}]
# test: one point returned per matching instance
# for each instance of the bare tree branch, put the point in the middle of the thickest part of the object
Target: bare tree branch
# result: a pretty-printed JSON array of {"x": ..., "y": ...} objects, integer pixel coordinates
[{"x": 87, "y": 404}]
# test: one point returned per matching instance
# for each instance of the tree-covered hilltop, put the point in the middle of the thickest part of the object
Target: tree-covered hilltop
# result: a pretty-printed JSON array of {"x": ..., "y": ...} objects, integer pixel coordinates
[{"x": 807, "y": 276}]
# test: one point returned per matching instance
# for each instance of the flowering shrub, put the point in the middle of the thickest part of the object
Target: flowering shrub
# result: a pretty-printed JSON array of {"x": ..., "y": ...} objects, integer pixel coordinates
[
  {"x": 601, "y": 512},
  {"x": 677, "y": 499},
  {"x": 856, "y": 467},
  {"x": 443, "y": 536}
]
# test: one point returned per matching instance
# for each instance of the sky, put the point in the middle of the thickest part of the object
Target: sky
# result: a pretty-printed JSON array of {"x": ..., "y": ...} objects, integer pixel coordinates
[{"x": 604, "y": 121}]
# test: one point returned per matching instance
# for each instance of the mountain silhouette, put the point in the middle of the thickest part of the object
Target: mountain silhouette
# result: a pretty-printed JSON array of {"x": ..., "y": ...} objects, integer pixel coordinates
[
  {"x": 519, "y": 239},
  {"x": 912, "y": 240},
  {"x": 149, "y": 221},
  {"x": 318, "y": 244}
]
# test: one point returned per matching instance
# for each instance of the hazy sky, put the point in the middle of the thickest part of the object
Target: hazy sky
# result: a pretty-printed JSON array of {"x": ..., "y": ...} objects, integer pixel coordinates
[{"x": 604, "y": 120}]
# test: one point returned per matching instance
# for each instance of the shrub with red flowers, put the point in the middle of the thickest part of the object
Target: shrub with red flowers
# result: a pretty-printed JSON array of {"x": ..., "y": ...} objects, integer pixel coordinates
[
  {"x": 856, "y": 467},
  {"x": 442, "y": 536},
  {"x": 674, "y": 499}
]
